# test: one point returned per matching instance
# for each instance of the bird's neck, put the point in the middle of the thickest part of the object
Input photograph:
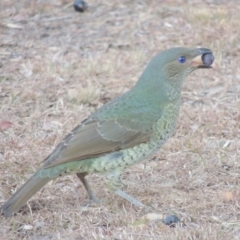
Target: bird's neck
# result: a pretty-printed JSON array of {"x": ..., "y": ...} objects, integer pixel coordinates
[{"x": 160, "y": 91}]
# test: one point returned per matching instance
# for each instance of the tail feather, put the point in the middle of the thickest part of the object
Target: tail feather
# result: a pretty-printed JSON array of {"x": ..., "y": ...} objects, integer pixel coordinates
[{"x": 23, "y": 194}]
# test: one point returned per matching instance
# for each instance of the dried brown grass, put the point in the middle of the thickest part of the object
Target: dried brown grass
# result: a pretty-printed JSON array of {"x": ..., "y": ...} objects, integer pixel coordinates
[{"x": 57, "y": 66}]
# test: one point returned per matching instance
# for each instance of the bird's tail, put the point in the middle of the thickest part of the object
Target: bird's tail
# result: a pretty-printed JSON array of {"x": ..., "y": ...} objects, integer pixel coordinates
[{"x": 23, "y": 194}]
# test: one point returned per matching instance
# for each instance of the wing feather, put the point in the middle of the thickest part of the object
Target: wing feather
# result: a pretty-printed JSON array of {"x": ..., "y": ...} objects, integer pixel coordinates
[
  {"x": 107, "y": 130},
  {"x": 95, "y": 138}
]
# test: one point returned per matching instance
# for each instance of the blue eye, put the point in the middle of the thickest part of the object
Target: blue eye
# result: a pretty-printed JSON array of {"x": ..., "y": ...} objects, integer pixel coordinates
[{"x": 182, "y": 59}]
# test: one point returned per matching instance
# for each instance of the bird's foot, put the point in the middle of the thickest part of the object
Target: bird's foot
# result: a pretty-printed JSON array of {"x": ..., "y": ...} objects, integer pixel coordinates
[{"x": 147, "y": 209}]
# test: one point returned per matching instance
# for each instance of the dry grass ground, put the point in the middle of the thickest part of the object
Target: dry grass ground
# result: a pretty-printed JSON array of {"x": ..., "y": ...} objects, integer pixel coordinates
[{"x": 57, "y": 66}]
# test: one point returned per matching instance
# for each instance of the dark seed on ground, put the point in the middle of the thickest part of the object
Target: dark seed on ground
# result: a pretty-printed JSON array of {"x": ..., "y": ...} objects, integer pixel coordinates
[
  {"x": 80, "y": 5},
  {"x": 171, "y": 220}
]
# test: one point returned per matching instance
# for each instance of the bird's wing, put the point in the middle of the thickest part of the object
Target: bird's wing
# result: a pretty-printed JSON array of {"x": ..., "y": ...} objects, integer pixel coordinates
[
  {"x": 96, "y": 137},
  {"x": 122, "y": 123}
]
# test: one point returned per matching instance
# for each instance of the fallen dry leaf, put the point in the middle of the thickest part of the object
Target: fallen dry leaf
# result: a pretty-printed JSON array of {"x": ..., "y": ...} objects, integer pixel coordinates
[
  {"x": 228, "y": 196},
  {"x": 5, "y": 125}
]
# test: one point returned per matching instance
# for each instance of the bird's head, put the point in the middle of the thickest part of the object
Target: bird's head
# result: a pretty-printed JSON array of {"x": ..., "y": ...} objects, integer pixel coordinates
[
  {"x": 177, "y": 63},
  {"x": 167, "y": 70}
]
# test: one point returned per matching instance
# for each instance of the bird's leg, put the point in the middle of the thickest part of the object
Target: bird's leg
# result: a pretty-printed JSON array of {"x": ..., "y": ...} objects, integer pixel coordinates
[
  {"x": 130, "y": 198},
  {"x": 114, "y": 182},
  {"x": 91, "y": 195}
]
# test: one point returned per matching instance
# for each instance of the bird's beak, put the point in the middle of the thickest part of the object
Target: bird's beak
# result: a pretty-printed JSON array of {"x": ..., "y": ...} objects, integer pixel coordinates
[{"x": 204, "y": 59}]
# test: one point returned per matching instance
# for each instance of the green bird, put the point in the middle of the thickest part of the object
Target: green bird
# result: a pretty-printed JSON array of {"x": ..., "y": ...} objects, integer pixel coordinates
[{"x": 122, "y": 132}]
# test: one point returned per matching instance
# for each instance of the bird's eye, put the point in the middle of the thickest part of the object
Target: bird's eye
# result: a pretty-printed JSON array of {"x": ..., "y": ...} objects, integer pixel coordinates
[{"x": 182, "y": 59}]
